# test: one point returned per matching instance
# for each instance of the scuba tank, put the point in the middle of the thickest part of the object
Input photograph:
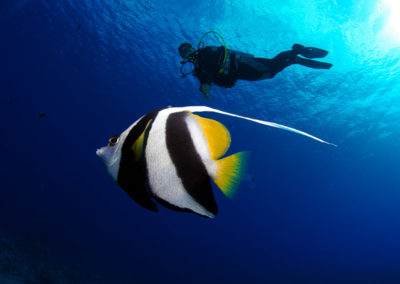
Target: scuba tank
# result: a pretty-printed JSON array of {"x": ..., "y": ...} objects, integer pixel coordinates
[
  {"x": 233, "y": 57},
  {"x": 241, "y": 54},
  {"x": 230, "y": 57}
]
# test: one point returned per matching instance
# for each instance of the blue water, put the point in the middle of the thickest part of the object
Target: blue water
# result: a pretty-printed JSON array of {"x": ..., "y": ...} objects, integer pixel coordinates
[{"x": 306, "y": 213}]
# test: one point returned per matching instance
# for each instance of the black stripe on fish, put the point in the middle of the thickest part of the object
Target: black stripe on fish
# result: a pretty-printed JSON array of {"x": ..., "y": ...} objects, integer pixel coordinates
[
  {"x": 132, "y": 175},
  {"x": 188, "y": 163}
]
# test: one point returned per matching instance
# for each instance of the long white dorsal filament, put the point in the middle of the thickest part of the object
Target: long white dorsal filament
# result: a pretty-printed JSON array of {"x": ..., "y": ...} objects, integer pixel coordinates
[{"x": 272, "y": 124}]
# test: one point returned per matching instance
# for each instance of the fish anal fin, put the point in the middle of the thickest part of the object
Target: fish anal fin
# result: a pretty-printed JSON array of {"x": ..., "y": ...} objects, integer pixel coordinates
[
  {"x": 230, "y": 172},
  {"x": 217, "y": 136},
  {"x": 142, "y": 198}
]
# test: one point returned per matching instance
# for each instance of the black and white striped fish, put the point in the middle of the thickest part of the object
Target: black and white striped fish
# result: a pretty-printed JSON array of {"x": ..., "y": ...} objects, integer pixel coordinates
[{"x": 169, "y": 156}]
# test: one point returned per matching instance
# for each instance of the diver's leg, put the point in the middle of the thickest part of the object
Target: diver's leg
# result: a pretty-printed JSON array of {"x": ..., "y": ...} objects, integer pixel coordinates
[
  {"x": 253, "y": 69},
  {"x": 278, "y": 63}
]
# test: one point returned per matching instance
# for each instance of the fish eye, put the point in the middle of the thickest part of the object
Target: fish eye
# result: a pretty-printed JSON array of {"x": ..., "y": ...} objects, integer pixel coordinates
[{"x": 113, "y": 140}]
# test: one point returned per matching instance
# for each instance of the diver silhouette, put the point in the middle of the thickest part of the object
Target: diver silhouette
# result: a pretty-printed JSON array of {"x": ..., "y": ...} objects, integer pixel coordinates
[{"x": 224, "y": 67}]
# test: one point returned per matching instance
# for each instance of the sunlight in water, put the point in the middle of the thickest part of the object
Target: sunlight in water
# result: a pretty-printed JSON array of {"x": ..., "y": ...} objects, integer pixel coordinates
[{"x": 393, "y": 22}]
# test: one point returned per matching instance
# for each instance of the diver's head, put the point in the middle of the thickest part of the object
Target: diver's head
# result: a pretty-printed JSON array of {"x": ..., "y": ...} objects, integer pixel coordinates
[{"x": 185, "y": 50}]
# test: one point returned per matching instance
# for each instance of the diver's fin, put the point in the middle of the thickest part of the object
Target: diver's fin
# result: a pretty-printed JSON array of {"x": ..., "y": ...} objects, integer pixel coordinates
[
  {"x": 230, "y": 171},
  {"x": 217, "y": 136},
  {"x": 138, "y": 146},
  {"x": 272, "y": 124},
  {"x": 314, "y": 52},
  {"x": 309, "y": 52},
  {"x": 312, "y": 63}
]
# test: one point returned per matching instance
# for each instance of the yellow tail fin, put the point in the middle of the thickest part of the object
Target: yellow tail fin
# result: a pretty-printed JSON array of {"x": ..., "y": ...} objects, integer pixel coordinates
[{"x": 230, "y": 172}]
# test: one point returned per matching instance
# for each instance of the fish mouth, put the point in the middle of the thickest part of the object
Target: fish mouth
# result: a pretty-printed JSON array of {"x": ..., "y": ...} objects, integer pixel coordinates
[{"x": 99, "y": 152}]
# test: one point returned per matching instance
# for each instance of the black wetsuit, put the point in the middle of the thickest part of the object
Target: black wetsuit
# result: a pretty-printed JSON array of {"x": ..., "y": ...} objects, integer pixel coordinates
[
  {"x": 208, "y": 65},
  {"x": 209, "y": 62}
]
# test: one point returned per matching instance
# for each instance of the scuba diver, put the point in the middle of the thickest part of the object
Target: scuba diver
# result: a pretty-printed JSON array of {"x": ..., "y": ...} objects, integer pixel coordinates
[{"x": 224, "y": 67}]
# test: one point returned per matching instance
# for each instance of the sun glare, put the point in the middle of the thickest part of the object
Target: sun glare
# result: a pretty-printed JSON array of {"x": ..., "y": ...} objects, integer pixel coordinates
[{"x": 393, "y": 23}]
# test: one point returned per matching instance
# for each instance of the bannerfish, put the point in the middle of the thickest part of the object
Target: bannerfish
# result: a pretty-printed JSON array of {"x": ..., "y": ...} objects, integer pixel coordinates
[{"x": 170, "y": 154}]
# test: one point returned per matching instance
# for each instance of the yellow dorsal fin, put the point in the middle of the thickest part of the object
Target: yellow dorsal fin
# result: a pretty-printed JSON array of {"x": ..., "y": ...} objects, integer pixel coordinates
[
  {"x": 218, "y": 137},
  {"x": 138, "y": 146},
  {"x": 230, "y": 172}
]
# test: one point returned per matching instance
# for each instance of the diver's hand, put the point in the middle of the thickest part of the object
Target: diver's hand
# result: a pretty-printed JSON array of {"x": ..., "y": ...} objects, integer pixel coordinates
[{"x": 205, "y": 89}]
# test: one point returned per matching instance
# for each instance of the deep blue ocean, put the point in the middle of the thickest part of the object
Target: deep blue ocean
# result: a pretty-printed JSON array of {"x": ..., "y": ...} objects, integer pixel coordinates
[{"x": 73, "y": 73}]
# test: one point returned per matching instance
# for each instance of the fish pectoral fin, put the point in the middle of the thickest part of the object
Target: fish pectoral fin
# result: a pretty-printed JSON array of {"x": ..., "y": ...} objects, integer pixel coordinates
[
  {"x": 138, "y": 146},
  {"x": 217, "y": 136},
  {"x": 230, "y": 172}
]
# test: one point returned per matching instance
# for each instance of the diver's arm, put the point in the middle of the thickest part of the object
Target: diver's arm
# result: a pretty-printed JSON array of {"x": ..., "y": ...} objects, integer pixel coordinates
[
  {"x": 205, "y": 83},
  {"x": 206, "y": 68},
  {"x": 205, "y": 89}
]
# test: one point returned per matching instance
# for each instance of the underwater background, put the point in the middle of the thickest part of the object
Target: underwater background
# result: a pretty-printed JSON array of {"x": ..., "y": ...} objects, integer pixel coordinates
[{"x": 73, "y": 73}]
